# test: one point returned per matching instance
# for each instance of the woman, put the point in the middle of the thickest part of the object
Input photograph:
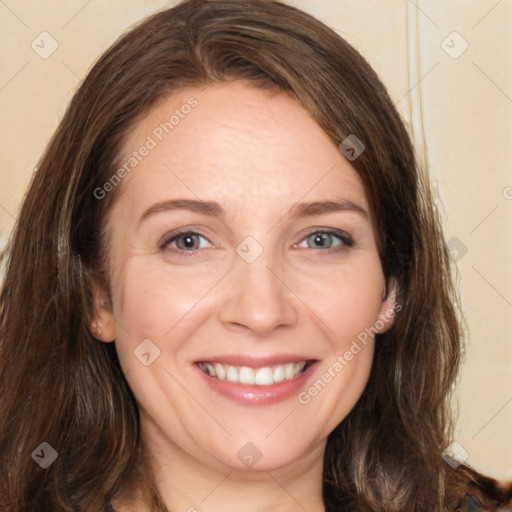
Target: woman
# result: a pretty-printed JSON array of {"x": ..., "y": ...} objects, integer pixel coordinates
[{"x": 254, "y": 371}]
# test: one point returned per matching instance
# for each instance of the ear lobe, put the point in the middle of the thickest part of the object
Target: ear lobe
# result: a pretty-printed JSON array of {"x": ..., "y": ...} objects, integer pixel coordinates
[
  {"x": 103, "y": 325},
  {"x": 388, "y": 308}
]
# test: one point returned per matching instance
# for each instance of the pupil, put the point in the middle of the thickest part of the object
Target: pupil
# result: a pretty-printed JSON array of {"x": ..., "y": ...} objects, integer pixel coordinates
[
  {"x": 188, "y": 241},
  {"x": 320, "y": 238}
]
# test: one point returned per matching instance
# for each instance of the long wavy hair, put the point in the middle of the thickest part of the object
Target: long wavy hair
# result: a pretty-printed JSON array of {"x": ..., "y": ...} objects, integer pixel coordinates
[{"x": 60, "y": 385}]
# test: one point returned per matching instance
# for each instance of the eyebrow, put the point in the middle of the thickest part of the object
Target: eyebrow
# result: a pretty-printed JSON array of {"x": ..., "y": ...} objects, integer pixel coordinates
[{"x": 214, "y": 209}]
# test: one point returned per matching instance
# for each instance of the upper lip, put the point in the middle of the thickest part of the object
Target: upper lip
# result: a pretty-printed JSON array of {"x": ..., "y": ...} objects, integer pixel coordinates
[{"x": 256, "y": 361}]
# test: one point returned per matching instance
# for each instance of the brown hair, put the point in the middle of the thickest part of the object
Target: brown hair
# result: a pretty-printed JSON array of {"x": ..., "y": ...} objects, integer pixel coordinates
[{"x": 60, "y": 385}]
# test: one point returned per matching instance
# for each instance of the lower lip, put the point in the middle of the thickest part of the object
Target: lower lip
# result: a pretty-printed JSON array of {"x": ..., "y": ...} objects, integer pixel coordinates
[{"x": 251, "y": 394}]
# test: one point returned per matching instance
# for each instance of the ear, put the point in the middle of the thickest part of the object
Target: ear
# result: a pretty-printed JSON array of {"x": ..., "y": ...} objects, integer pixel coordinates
[
  {"x": 103, "y": 325},
  {"x": 388, "y": 307}
]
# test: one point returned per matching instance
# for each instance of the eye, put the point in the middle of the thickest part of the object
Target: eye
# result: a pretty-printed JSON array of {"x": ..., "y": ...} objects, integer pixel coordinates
[
  {"x": 186, "y": 242},
  {"x": 324, "y": 239}
]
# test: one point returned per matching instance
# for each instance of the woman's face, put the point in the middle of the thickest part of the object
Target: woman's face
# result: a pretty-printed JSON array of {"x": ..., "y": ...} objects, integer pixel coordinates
[{"x": 252, "y": 288}]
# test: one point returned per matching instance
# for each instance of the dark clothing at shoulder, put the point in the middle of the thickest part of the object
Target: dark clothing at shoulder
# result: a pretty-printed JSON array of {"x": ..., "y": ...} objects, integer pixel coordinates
[{"x": 476, "y": 492}]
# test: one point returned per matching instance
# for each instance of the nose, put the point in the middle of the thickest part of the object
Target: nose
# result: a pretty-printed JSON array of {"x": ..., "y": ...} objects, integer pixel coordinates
[{"x": 258, "y": 298}]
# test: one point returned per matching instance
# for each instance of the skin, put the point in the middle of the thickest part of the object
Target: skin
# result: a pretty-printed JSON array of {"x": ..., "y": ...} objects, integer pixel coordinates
[{"x": 257, "y": 153}]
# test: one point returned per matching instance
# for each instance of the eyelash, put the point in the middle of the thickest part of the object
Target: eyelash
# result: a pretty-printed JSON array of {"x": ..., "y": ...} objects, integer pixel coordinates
[{"x": 346, "y": 240}]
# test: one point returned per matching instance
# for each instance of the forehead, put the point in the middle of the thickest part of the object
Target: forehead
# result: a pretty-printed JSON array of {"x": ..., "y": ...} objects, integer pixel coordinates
[{"x": 232, "y": 138}]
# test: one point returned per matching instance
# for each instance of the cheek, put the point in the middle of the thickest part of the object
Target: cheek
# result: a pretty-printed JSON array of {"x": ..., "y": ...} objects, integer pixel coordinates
[
  {"x": 154, "y": 299},
  {"x": 346, "y": 299},
  {"x": 155, "y": 305}
]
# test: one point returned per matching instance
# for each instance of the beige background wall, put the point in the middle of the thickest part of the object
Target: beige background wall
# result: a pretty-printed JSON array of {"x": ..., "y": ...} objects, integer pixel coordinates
[{"x": 447, "y": 65}]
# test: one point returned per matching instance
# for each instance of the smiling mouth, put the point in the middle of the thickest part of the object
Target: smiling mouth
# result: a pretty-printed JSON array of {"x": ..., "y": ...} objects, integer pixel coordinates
[{"x": 264, "y": 376}]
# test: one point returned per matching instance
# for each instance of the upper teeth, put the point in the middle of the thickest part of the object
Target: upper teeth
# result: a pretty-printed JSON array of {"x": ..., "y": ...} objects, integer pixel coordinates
[{"x": 265, "y": 376}]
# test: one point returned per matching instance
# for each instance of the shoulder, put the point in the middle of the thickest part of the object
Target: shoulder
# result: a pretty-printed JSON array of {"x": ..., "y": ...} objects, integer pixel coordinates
[{"x": 471, "y": 491}]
